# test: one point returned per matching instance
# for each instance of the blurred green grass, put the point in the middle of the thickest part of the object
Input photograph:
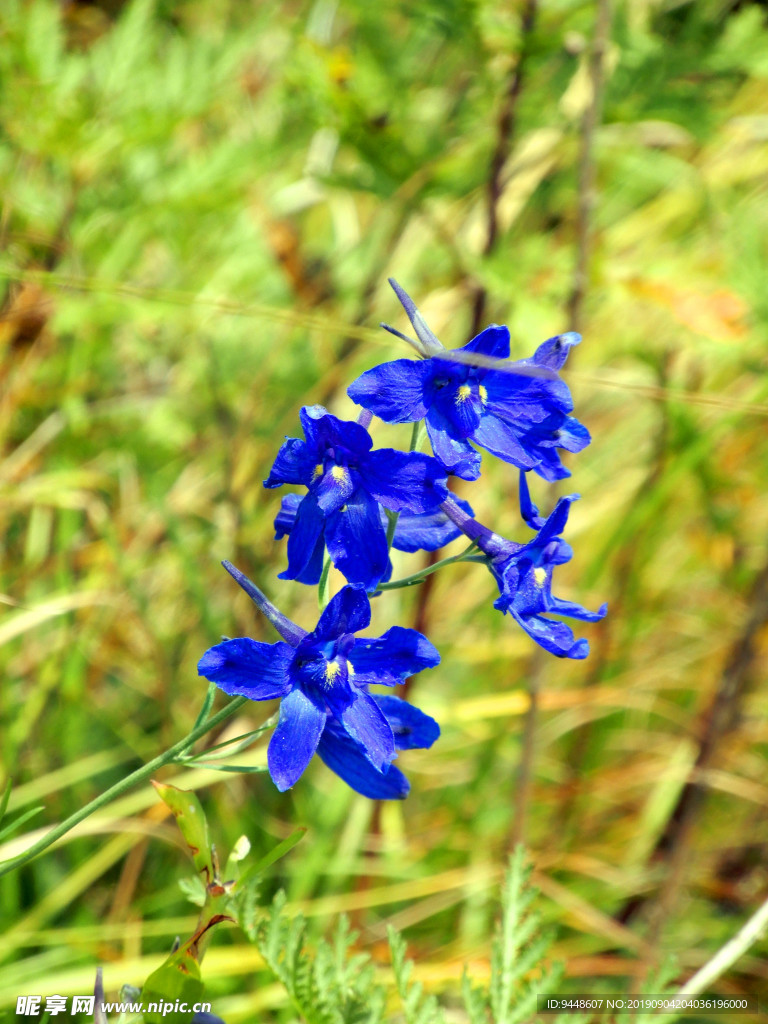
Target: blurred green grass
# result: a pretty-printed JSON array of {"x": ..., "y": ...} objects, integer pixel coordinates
[{"x": 201, "y": 205}]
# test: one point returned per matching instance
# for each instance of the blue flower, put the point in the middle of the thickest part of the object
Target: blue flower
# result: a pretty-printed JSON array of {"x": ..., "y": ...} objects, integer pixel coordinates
[
  {"x": 411, "y": 729},
  {"x": 415, "y": 531},
  {"x": 530, "y": 513},
  {"x": 519, "y": 413},
  {"x": 347, "y": 481},
  {"x": 322, "y": 679},
  {"x": 523, "y": 573}
]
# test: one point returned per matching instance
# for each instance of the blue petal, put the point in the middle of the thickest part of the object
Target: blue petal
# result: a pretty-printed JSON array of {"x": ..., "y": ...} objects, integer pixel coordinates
[
  {"x": 294, "y": 464},
  {"x": 572, "y": 435},
  {"x": 364, "y": 721},
  {"x": 324, "y": 431},
  {"x": 461, "y": 406},
  {"x": 286, "y": 517},
  {"x": 393, "y": 391},
  {"x": 549, "y": 467},
  {"x": 317, "y": 426},
  {"x": 527, "y": 397},
  {"x": 528, "y": 510},
  {"x": 404, "y": 480},
  {"x": 554, "y": 525},
  {"x": 390, "y": 658},
  {"x": 415, "y": 531},
  {"x": 507, "y": 575},
  {"x": 575, "y": 611},
  {"x": 555, "y": 637},
  {"x": 554, "y": 351},
  {"x": 427, "y": 531},
  {"x": 295, "y": 739},
  {"x": 457, "y": 456},
  {"x": 563, "y": 554},
  {"x": 546, "y": 548},
  {"x": 503, "y": 440},
  {"x": 333, "y": 488},
  {"x": 248, "y": 668},
  {"x": 346, "y": 612},
  {"x": 530, "y": 514},
  {"x": 411, "y": 727},
  {"x": 493, "y": 342},
  {"x": 305, "y": 544},
  {"x": 530, "y": 597},
  {"x": 310, "y": 671},
  {"x": 343, "y": 756},
  {"x": 543, "y": 438},
  {"x": 357, "y": 541}
]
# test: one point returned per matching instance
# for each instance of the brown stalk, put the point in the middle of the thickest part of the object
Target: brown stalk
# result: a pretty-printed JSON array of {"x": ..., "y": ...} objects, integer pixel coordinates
[
  {"x": 586, "y": 200},
  {"x": 586, "y": 187},
  {"x": 352, "y": 342},
  {"x": 623, "y": 576},
  {"x": 721, "y": 718},
  {"x": 505, "y": 135}
]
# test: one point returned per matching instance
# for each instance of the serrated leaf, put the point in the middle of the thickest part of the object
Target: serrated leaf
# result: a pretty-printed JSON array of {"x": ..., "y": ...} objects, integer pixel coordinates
[{"x": 194, "y": 889}]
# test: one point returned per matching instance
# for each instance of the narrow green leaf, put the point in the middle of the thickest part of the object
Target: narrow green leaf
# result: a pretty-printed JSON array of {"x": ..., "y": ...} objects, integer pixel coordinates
[
  {"x": 205, "y": 710},
  {"x": 18, "y": 822},
  {"x": 275, "y": 854},
  {"x": 5, "y": 798}
]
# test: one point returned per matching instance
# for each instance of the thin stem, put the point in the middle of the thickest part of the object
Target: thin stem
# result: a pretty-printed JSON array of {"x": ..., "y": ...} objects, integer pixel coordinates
[
  {"x": 323, "y": 589},
  {"x": 421, "y": 575},
  {"x": 524, "y": 786},
  {"x": 205, "y": 710},
  {"x": 392, "y": 518},
  {"x": 168, "y": 757},
  {"x": 725, "y": 957},
  {"x": 415, "y": 431},
  {"x": 243, "y": 741}
]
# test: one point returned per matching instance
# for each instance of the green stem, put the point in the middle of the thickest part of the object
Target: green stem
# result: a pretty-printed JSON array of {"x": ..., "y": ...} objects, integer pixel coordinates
[
  {"x": 394, "y": 516},
  {"x": 244, "y": 740},
  {"x": 324, "y": 587},
  {"x": 421, "y": 575},
  {"x": 168, "y": 757}
]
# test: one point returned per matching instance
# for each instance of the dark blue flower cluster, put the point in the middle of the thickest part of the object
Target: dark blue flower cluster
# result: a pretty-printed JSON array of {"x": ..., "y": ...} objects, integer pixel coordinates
[
  {"x": 347, "y": 485},
  {"x": 359, "y": 502},
  {"x": 322, "y": 679}
]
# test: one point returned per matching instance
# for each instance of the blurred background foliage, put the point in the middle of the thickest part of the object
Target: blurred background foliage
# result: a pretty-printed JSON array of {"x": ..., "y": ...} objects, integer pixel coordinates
[{"x": 201, "y": 203}]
